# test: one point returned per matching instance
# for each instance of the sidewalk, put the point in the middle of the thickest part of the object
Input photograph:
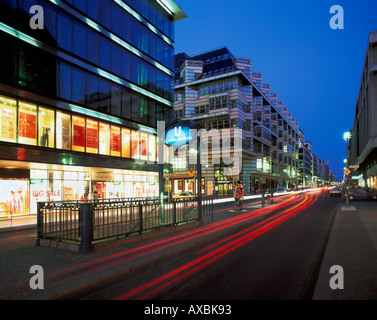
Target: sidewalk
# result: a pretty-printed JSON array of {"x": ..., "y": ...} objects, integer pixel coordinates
[
  {"x": 66, "y": 272},
  {"x": 17, "y": 223},
  {"x": 352, "y": 245}
]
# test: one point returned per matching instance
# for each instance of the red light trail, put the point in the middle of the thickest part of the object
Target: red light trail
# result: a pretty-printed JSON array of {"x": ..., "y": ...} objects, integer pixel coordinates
[{"x": 234, "y": 242}]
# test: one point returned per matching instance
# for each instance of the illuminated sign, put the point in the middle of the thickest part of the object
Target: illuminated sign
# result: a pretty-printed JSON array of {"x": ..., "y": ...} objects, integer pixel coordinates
[{"x": 178, "y": 136}]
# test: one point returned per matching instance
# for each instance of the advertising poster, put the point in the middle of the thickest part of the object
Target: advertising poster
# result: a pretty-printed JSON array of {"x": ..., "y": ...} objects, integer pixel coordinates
[{"x": 13, "y": 197}]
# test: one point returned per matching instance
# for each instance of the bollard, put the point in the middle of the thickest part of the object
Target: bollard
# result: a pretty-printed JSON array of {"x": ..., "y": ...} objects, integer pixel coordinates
[{"x": 86, "y": 227}]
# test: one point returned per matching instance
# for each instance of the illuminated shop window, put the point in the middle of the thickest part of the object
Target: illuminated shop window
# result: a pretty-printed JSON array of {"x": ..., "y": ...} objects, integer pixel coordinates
[
  {"x": 78, "y": 133},
  {"x": 46, "y": 128},
  {"x": 91, "y": 136},
  {"x": 152, "y": 148},
  {"x": 27, "y": 123},
  {"x": 104, "y": 139},
  {"x": 8, "y": 119},
  {"x": 126, "y": 143},
  {"x": 115, "y": 141},
  {"x": 144, "y": 146},
  {"x": 135, "y": 145},
  {"x": 63, "y": 131}
]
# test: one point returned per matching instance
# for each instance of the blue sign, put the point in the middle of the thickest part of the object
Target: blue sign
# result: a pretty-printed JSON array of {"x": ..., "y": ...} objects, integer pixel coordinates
[{"x": 178, "y": 136}]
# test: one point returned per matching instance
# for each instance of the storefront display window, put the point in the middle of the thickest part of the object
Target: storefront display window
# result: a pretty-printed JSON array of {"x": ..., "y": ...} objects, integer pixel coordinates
[
  {"x": 115, "y": 141},
  {"x": 46, "y": 127},
  {"x": 135, "y": 145},
  {"x": 63, "y": 131},
  {"x": 78, "y": 133},
  {"x": 104, "y": 139},
  {"x": 152, "y": 147},
  {"x": 144, "y": 146},
  {"x": 27, "y": 123},
  {"x": 126, "y": 143},
  {"x": 91, "y": 136},
  {"x": 8, "y": 119},
  {"x": 14, "y": 197}
]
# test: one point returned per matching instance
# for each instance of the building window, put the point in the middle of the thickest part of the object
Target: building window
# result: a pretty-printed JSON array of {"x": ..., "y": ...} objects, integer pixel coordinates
[
  {"x": 104, "y": 139},
  {"x": 8, "y": 119},
  {"x": 92, "y": 136},
  {"x": 63, "y": 131},
  {"x": 27, "y": 123},
  {"x": 126, "y": 143},
  {"x": 115, "y": 141},
  {"x": 135, "y": 145},
  {"x": 78, "y": 133},
  {"x": 46, "y": 128},
  {"x": 144, "y": 146}
]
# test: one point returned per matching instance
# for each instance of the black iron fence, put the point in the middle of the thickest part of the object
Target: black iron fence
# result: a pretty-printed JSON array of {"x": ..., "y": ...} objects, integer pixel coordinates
[{"x": 89, "y": 221}]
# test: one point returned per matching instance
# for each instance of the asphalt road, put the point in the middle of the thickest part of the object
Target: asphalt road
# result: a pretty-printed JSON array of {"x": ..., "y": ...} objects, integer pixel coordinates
[{"x": 279, "y": 258}]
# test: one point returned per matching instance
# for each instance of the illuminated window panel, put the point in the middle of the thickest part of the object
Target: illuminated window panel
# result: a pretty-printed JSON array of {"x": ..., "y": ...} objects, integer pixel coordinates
[
  {"x": 27, "y": 123},
  {"x": 115, "y": 141},
  {"x": 152, "y": 148},
  {"x": 126, "y": 143},
  {"x": 144, "y": 146},
  {"x": 8, "y": 119},
  {"x": 135, "y": 140},
  {"x": 91, "y": 136},
  {"x": 104, "y": 139},
  {"x": 78, "y": 133},
  {"x": 63, "y": 131},
  {"x": 46, "y": 128}
]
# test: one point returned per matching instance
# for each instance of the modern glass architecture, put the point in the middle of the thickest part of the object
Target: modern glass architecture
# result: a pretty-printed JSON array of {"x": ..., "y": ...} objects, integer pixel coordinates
[
  {"x": 82, "y": 86},
  {"x": 363, "y": 144}
]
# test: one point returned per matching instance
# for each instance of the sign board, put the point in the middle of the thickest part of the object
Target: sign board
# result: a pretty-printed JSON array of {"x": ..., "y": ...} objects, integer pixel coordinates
[
  {"x": 347, "y": 172},
  {"x": 354, "y": 167},
  {"x": 191, "y": 173},
  {"x": 178, "y": 136}
]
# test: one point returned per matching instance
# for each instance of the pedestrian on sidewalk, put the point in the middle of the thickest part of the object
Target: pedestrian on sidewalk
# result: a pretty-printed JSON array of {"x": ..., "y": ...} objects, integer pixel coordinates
[{"x": 238, "y": 197}]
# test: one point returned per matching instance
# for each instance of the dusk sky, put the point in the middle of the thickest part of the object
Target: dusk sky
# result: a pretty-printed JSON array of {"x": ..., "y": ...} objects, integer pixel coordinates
[{"x": 315, "y": 70}]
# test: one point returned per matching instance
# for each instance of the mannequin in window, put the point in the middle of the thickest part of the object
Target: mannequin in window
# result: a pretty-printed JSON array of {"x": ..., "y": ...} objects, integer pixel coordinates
[{"x": 45, "y": 137}]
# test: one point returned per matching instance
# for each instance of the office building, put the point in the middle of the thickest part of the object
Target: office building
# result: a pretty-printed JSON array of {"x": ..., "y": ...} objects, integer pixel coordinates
[
  {"x": 82, "y": 86},
  {"x": 363, "y": 143},
  {"x": 221, "y": 92}
]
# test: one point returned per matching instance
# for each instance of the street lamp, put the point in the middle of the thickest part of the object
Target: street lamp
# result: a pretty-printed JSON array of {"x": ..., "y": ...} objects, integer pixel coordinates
[{"x": 347, "y": 137}]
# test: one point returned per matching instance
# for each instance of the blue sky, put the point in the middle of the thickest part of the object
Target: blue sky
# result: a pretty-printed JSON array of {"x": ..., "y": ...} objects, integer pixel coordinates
[{"x": 315, "y": 70}]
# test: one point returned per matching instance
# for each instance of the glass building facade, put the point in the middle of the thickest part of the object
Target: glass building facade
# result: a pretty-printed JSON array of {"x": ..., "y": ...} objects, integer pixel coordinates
[{"x": 80, "y": 98}]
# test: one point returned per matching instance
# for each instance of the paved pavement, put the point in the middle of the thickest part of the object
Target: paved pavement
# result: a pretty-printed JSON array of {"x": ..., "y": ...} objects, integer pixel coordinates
[{"x": 352, "y": 244}]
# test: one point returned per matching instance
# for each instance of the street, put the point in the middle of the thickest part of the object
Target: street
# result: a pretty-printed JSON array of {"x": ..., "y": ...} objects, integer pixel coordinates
[
  {"x": 278, "y": 258},
  {"x": 277, "y": 250}
]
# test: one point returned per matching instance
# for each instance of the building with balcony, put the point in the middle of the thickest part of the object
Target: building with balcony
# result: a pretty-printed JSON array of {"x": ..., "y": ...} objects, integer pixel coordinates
[
  {"x": 223, "y": 94},
  {"x": 80, "y": 98},
  {"x": 363, "y": 143}
]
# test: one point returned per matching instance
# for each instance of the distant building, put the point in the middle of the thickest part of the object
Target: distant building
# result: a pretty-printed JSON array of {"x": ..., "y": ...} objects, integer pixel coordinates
[
  {"x": 222, "y": 92},
  {"x": 363, "y": 143}
]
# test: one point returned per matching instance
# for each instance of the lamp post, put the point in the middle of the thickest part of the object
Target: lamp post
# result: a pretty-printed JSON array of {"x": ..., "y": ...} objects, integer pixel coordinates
[{"x": 347, "y": 137}]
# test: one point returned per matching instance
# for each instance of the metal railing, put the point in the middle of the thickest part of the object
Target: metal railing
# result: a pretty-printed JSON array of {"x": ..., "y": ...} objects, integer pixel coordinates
[{"x": 88, "y": 221}]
